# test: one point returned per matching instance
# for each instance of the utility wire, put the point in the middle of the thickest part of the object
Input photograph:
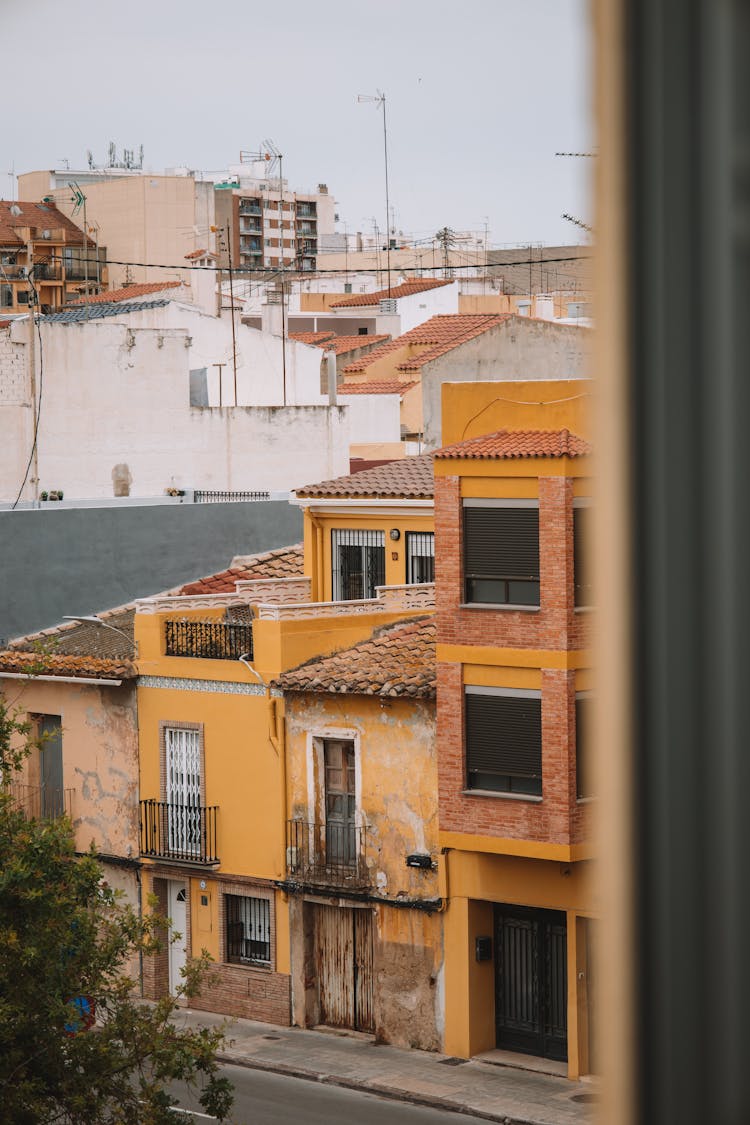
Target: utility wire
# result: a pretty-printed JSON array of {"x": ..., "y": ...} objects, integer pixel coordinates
[{"x": 35, "y": 323}]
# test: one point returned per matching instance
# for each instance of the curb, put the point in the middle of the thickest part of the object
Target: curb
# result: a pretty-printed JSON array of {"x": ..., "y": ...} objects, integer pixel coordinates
[{"x": 365, "y": 1087}]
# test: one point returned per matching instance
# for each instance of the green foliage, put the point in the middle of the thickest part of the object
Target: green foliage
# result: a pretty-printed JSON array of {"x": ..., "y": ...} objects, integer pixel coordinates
[{"x": 63, "y": 934}]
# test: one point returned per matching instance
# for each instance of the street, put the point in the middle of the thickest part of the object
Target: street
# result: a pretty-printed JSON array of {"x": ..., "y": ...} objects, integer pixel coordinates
[{"x": 262, "y": 1098}]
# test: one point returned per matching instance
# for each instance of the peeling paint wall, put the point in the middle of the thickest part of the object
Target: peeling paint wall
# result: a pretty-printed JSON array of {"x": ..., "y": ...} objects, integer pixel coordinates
[
  {"x": 396, "y": 803},
  {"x": 100, "y": 763}
]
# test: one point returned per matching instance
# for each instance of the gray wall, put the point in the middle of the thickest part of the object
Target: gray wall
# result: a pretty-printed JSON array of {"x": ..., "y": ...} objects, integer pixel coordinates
[{"x": 86, "y": 560}]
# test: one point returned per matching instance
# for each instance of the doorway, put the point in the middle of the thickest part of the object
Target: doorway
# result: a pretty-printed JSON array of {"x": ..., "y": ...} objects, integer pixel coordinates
[
  {"x": 177, "y": 909},
  {"x": 531, "y": 981},
  {"x": 343, "y": 938}
]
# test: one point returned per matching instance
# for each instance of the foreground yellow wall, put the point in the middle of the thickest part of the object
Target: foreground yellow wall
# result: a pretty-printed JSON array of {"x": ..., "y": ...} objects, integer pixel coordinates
[{"x": 472, "y": 409}]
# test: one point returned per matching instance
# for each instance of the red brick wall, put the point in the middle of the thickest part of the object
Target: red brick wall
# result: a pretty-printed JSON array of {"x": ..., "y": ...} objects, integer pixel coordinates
[
  {"x": 245, "y": 992},
  {"x": 555, "y": 625},
  {"x": 558, "y": 817},
  {"x": 156, "y": 968}
]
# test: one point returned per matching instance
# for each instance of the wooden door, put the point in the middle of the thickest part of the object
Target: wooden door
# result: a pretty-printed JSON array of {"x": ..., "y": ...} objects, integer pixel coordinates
[{"x": 344, "y": 962}]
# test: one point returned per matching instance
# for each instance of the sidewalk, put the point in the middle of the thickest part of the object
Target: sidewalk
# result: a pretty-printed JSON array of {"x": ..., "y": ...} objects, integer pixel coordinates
[{"x": 501, "y": 1093}]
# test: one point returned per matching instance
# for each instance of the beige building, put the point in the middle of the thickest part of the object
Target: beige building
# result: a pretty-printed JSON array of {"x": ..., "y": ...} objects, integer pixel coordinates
[{"x": 153, "y": 220}]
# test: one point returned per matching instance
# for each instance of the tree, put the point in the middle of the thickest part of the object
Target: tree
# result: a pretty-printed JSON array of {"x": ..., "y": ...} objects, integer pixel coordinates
[{"x": 66, "y": 942}]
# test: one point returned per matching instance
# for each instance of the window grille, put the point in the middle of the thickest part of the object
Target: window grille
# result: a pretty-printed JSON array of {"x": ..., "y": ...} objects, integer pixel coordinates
[
  {"x": 420, "y": 556},
  {"x": 248, "y": 929},
  {"x": 358, "y": 563},
  {"x": 183, "y": 789}
]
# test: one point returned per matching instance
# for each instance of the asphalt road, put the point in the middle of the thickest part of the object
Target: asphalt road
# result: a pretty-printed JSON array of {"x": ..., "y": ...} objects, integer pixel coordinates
[{"x": 263, "y": 1098}]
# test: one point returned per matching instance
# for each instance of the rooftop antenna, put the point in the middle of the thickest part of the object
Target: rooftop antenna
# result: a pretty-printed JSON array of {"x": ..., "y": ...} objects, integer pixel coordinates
[
  {"x": 11, "y": 173},
  {"x": 577, "y": 222},
  {"x": 378, "y": 98}
]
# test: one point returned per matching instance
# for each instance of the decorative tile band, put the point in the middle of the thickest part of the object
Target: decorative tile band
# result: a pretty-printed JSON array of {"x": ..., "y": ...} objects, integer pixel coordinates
[{"x": 221, "y": 687}]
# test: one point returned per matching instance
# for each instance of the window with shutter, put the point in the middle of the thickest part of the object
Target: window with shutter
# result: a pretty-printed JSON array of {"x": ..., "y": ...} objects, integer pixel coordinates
[
  {"x": 501, "y": 554},
  {"x": 584, "y": 787},
  {"x": 581, "y": 574},
  {"x": 504, "y": 740}
]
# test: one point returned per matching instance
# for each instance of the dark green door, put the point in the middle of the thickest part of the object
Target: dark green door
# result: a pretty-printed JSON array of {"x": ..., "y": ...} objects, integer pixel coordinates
[
  {"x": 52, "y": 801},
  {"x": 531, "y": 981}
]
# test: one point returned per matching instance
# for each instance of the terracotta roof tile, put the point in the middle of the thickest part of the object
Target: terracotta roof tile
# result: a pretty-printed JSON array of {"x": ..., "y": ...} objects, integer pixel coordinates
[
  {"x": 436, "y": 336},
  {"x": 286, "y": 562},
  {"x": 43, "y": 216},
  {"x": 518, "y": 443},
  {"x": 199, "y": 254},
  {"x": 376, "y": 387},
  {"x": 55, "y": 664},
  {"x": 127, "y": 293},
  {"x": 398, "y": 660},
  {"x": 85, "y": 638},
  {"x": 407, "y": 289},
  {"x": 408, "y": 478},
  {"x": 330, "y": 342}
]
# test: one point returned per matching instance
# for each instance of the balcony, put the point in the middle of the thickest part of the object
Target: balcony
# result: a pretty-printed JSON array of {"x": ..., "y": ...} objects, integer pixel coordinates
[
  {"x": 255, "y": 227},
  {"x": 209, "y": 640},
  {"x": 41, "y": 802},
  {"x": 327, "y": 855},
  {"x": 179, "y": 833},
  {"x": 249, "y": 208}
]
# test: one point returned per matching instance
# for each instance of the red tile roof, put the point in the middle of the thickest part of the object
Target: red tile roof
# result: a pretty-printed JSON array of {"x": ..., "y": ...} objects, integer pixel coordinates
[
  {"x": 407, "y": 289},
  {"x": 286, "y": 562},
  {"x": 56, "y": 664},
  {"x": 518, "y": 443},
  {"x": 376, "y": 387},
  {"x": 438, "y": 335},
  {"x": 127, "y": 293},
  {"x": 398, "y": 660},
  {"x": 407, "y": 479},
  {"x": 330, "y": 342},
  {"x": 43, "y": 216},
  {"x": 199, "y": 254}
]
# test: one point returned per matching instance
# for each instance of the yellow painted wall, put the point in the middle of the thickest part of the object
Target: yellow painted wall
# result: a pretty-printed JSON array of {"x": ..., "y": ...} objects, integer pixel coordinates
[
  {"x": 317, "y": 541},
  {"x": 472, "y": 409},
  {"x": 474, "y": 882}
]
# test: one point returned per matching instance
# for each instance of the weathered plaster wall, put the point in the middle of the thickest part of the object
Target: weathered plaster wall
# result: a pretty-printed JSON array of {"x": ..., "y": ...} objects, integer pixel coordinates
[
  {"x": 396, "y": 800},
  {"x": 100, "y": 763}
]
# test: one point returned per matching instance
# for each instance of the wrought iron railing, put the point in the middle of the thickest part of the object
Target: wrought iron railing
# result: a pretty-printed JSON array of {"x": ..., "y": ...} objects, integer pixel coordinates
[
  {"x": 209, "y": 640},
  {"x": 333, "y": 854},
  {"x": 41, "y": 802},
  {"x": 201, "y": 496},
  {"x": 179, "y": 832}
]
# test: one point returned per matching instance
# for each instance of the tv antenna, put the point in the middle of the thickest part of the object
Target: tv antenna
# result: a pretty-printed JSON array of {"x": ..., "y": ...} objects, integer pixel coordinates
[{"x": 378, "y": 98}]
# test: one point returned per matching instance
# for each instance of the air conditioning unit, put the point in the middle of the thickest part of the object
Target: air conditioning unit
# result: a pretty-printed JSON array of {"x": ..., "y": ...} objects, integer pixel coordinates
[{"x": 388, "y": 305}]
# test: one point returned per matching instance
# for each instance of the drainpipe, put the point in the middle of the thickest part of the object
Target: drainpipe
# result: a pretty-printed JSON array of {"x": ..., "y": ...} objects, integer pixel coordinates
[{"x": 278, "y": 742}]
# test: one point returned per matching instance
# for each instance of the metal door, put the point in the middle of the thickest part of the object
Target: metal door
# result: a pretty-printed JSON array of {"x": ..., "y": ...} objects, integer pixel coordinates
[
  {"x": 334, "y": 942},
  {"x": 363, "y": 974},
  {"x": 343, "y": 940},
  {"x": 183, "y": 790},
  {"x": 51, "y": 766},
  {"x": 531, "y": 981}
]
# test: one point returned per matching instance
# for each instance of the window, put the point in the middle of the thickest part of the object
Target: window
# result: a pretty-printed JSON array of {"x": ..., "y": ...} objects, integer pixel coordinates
[
  {"x": 504, "y": 740},
  {"x": 362, "y": 331},
  {"x": 182, "y": 772},
  {"x": 501, "y": 553},
  {"x": 584, "y": 786},
  {"x": 420, "y": 556},
  {"x": 358, "y": 563},
  {"x": 581, "y": 574},
  {"x": 51, "y": 796},
  {"x": 6, "y": 296},
  {"x": 248, "y": 930}
]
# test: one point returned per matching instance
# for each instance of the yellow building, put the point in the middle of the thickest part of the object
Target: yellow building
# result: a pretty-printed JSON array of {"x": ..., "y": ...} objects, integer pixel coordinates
[
  {"x": 216, "y": 796},
  {"x": 512, "y": 487}
]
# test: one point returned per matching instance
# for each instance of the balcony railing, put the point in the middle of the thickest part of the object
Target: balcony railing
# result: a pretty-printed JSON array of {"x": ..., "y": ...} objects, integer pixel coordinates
[
  {"x": 179, "y": 832},
  {"x": 249, "y": 209},
  {"x": 332, "y": 855},
  {"x": 209, "y": 640},
  {"x": 41, "y": 802},
  {"x": 78, "y": 271}
]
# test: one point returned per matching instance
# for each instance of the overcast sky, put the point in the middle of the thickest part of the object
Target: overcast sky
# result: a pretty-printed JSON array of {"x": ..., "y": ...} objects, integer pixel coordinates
[{"x": 480, "y": 96}]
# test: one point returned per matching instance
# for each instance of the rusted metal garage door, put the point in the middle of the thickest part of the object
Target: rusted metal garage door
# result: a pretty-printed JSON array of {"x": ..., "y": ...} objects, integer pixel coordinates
[{"x": 343, "y": 941}]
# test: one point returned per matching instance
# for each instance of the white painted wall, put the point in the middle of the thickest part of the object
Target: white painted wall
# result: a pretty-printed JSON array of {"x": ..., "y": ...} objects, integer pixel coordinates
[
  {"x": 116, "y": 391},
  {"x": 373, "y": 418}
]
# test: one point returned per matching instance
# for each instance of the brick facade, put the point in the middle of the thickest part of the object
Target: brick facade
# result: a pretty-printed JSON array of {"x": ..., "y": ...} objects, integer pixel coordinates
[{"x": 555, "y": 627}]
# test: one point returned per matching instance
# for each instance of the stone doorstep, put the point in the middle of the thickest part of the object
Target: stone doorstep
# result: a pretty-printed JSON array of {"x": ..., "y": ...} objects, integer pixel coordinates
[{"x": 520, "y": 1061}]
